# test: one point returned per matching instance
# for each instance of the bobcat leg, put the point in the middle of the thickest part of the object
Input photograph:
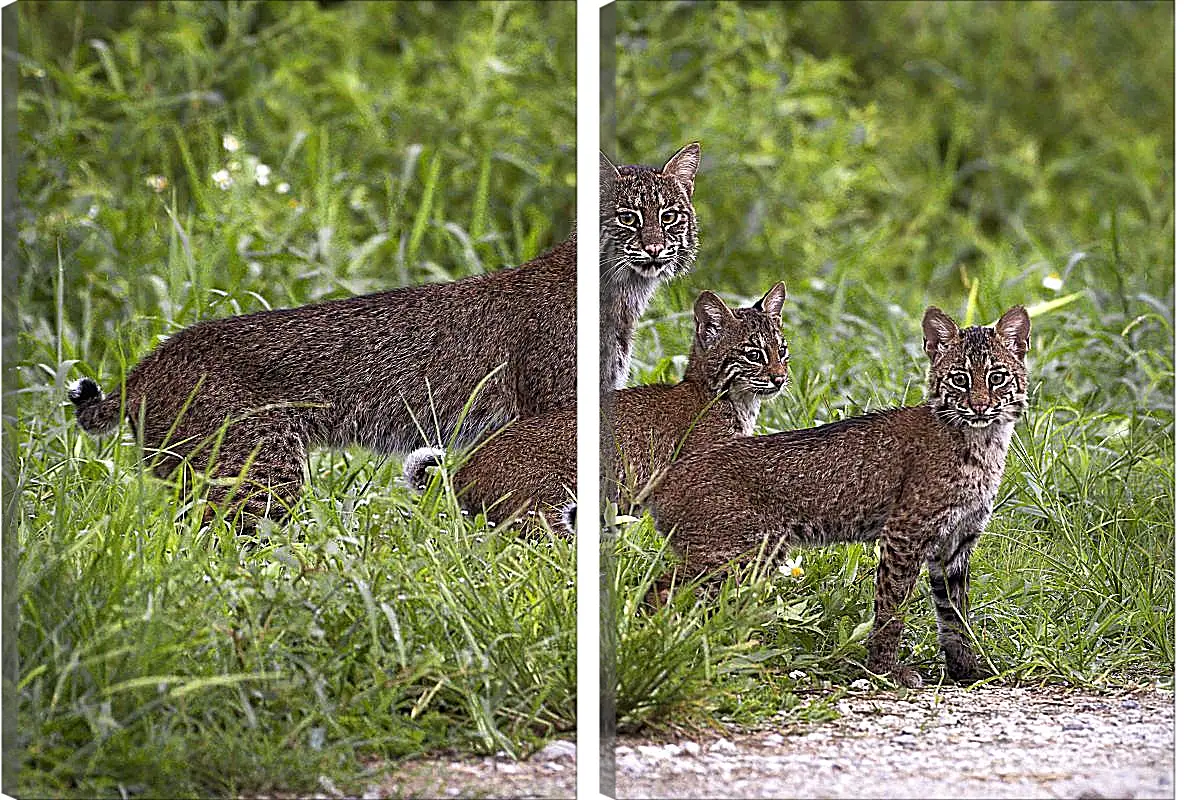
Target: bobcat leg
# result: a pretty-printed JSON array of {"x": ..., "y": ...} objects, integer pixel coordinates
[
  {"x": 950, "y": 580},
  {"x": 901, "y": 548},
  {"x": 260, "y": 475}
]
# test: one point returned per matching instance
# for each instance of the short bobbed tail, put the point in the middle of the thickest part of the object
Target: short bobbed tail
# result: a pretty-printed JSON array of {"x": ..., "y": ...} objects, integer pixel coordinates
[
  {"x": 417, "y": 464},
  {"x": 96, "y": 412},
  {"x": 569, "y": 517}
]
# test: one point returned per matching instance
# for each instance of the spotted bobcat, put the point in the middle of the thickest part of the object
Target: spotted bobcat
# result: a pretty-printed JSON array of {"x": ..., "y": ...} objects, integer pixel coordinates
[{"x": 921, "y": 480}]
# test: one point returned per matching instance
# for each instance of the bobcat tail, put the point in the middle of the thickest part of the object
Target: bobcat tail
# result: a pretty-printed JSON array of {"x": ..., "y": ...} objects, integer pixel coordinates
[
  {"x": 569, "y": 517},
  {"x": 96, "y": 412},
  {"x": 417, "y": 464}
]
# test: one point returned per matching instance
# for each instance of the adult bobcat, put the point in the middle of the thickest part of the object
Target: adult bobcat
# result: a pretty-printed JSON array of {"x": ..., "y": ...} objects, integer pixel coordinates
[
  {"x": 250, "y": 394},
  {"x": 737, "y": 360},
  {"x": 648, "y": 234},
  {"x": 246, "y": 397},
  {"x": 921, "y": 480}
]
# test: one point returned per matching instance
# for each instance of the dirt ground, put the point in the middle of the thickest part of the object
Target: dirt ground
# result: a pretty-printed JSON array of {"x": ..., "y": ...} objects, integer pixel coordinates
[{"x": 953, "y": 743}]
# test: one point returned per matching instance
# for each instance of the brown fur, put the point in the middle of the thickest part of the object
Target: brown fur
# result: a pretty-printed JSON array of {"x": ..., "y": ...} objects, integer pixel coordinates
[
  {"x": 921, "y": 480},
  {"x": 532, "y": 464},
  {"x": 250, "y": 395}
]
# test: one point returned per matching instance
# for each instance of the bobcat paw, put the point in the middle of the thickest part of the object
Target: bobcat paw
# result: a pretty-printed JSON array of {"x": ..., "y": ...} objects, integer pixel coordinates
[
  {"x": 907, "y": 677},
  {"x": 962, "y": 667},
  {"x": 970, "y": 675},
  {"x": 901, "y": 675}
]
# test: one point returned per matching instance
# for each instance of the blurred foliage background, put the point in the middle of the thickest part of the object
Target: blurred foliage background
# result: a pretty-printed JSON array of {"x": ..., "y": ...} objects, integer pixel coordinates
[{"x": 907, "y": 149}]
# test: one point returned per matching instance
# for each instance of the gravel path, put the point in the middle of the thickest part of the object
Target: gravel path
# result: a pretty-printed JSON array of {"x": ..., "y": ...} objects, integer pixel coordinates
[
  {"x": 956, "y": 743},
  {"x": 950, "y": 743}
]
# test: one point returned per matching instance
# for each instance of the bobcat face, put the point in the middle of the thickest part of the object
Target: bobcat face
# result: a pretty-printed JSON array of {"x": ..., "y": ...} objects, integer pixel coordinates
[
  {"x": 977, "y": 375},
  {"x": 647, "y": 224},
  {"x": 742, "y": 351}
]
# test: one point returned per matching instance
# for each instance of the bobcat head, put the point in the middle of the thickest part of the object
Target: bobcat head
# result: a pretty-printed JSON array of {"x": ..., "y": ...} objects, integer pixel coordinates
[
  {"x": 648, "y": 229},
  {"x": 977, "y": 375},
  {"x": 741, "y": 351}
]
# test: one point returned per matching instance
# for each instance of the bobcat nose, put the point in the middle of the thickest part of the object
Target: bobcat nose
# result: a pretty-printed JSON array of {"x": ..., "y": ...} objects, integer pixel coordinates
[{"x": 653, "y": 249}]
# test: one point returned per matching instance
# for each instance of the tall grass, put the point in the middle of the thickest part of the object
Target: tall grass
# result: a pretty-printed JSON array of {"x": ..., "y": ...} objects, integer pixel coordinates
[
  {"x": 989, "y": 155},
  {"x": 185, "y": 161}
]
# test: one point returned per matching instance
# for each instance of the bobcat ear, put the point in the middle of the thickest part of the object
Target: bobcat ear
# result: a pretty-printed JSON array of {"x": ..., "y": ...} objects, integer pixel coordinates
[
  {"x": 711, "y": 314},
  {"x": 940, "y": 331},
  {"x": 1013, "y": 329},
  {"x": 608, "y": 172},
  {"x": 773, "y": 300},
  {"x": 683, "y": 165}
]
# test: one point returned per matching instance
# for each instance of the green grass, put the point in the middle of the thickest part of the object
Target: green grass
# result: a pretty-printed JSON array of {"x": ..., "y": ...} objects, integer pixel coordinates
[
  {"x": 880, "y": 157},
  {"x": 417, "y": 142}
]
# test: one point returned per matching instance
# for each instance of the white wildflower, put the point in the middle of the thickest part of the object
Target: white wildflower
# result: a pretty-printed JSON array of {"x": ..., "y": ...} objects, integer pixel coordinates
[
  {"x": 222, "y": 179},
  {"x": 283, "y": 188},
  {"x": 262, "y": 174},
  {"x": 230, "y": 143},
  {"x": 792, "y": 568},
  {"x": 1053, "y": 282}
]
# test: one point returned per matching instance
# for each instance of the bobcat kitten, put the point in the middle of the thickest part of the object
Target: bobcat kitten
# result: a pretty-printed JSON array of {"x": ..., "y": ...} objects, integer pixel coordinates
[
  {"x": 379, "y": 371},
  {"x": 921, "y": 480},
  {"x": 737, "y": 360},
  {"x": 648, "y": 234}
]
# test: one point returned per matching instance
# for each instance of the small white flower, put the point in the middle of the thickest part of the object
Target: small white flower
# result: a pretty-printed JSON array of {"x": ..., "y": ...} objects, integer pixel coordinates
[
  {"x": 262, "y": 174},
  {"x": 222, "y": 179},
  {"x": 157, "y": 183},
  {"x": 230, "y": 143},
  {"x": 283, "y": 188},
  {"x": 792, "y": 568},
  {"x": 1052, "y": 281},
  {"x": 92, "y": 212}
]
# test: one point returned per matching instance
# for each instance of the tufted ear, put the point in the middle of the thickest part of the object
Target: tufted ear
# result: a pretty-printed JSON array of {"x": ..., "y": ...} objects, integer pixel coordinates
[
  {"x": 1013, "y": 329},
  {"x": 608, "y": 172},
  {"x": 711, "y": 314},
  {"x": 940, "y": 331},
  {"x": 773, "y": 300},
  {"x": 683, "y": 165}
]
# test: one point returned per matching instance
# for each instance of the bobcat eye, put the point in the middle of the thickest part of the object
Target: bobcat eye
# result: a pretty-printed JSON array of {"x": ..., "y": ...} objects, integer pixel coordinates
[
  {"x": 996, "y": 379},
  {"x": 959, "y": 380},
  {"x": 755, "y": 355},
  {"x": 782, "y": 351},
  {"x": 669, "y": 216},
  {"x": 627, "y": 218}
]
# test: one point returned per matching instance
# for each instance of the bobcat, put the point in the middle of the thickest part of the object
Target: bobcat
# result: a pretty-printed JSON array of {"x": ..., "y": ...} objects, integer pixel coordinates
[
  {"x": 920, "y": 479},
  {"x": 246, "y": 397},
  {"x": 648, "y": 234},
  {"x": 250, "y": 394},
  {"x": 737, "y": 360}
]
